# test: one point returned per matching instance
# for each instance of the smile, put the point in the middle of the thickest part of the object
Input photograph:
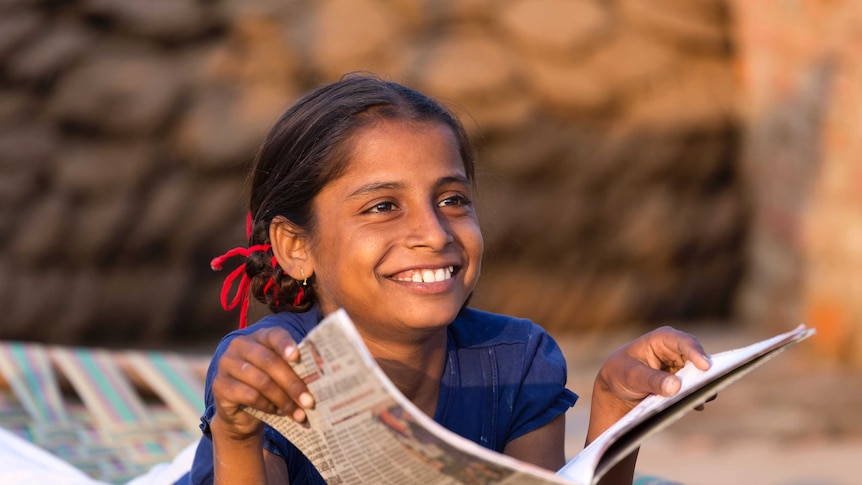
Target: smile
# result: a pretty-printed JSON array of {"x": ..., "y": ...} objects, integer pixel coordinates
[{"x": 425, "y": 275}]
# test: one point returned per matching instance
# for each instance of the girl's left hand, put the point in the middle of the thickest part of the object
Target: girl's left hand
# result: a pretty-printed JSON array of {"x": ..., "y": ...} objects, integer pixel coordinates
[{"x": 642, "y": 367}]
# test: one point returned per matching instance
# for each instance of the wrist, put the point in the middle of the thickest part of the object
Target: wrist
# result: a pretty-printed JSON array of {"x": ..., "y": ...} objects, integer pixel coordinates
[
  {"x": 606, "y": 408},
  {"x": 221, "y": 430},
  {"x": 237, "y": 457}
]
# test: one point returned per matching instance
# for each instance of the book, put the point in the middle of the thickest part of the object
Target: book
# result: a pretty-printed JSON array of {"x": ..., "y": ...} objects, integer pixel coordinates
[{"x": 363, "y": 430}]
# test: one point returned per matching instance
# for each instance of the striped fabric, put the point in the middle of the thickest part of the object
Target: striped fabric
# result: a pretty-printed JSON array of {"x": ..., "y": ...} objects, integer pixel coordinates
[
  {"x": 174, "y": 380},
  {"x": 121, "y": 413},
  {"x": 111, "y": 427},
  {"x": 98, "y": 381},
  {"x": 28, "y": 371}
]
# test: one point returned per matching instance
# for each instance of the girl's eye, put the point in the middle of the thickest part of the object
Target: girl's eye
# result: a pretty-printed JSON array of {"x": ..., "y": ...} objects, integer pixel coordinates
[
  {"x": 382, "y": 207},
  {"x": 454, "y": 201}
]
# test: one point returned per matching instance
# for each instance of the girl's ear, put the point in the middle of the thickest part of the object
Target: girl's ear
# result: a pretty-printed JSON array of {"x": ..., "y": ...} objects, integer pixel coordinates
[{"x": 290, "y": 248}]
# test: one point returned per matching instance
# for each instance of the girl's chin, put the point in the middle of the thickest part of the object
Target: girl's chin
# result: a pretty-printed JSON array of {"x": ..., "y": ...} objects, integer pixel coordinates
[{"x": 427, "y": 316}]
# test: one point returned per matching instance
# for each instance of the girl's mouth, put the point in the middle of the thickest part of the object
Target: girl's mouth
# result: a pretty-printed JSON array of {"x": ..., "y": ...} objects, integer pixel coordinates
[{"x": 425, "y": 275}]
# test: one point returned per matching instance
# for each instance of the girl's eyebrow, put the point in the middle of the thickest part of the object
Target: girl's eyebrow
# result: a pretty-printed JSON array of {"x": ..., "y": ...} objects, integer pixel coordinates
[
  {"x": 381, "y": 186},
  {"x": 453, "y": 179},
  {"x": 375, "y": 187}
]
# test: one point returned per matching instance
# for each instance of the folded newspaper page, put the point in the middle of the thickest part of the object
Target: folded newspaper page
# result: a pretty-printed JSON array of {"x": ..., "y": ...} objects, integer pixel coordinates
[
  {"x": 363, "y": 430},
  {"x": 657, "y": 412}
]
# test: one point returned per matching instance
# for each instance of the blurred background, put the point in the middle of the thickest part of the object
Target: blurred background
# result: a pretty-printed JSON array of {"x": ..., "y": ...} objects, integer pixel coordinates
[
  {"x": 640, "y": 163},
  {"x": 692, "y": 162}
]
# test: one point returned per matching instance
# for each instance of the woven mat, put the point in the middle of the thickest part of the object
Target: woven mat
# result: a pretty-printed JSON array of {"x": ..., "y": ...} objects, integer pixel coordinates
[{"x": 113, "y": 415}]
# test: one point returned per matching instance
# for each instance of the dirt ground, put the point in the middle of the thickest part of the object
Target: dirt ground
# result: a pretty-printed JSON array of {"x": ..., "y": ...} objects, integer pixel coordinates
[{"x": 792, "y": 421}]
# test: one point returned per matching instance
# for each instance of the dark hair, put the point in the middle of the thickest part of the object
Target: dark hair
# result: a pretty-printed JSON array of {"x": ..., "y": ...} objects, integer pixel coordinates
[{"x": 307, "y": 148}]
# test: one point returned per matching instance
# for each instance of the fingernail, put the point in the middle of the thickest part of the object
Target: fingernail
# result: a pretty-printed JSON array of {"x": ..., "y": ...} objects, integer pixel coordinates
[
  {"x": 306, "y": 400},
  {"x": 667, "y": 385},
  {"x": 299, "y": 415},
  {"x": 289, "y": 351}
]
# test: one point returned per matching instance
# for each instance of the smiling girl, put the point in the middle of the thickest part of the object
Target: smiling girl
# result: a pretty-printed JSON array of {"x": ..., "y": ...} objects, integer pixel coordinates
[{"x": 362, "y": 199}]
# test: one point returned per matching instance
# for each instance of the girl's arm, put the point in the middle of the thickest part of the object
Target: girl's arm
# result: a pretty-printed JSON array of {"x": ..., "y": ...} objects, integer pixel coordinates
[
  {"x": 254, "y": 372},
  {"x": 245, "y": 461},
  {"x": 544, "y": 447},
  {"x": 643, "y": 367}
]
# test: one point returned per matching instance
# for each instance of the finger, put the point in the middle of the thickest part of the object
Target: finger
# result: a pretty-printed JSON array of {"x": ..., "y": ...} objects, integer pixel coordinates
[
  {"x": 250, "y": 360},
  {"x": 702, "y": 406},
  {"x": 280, "y": 341},
  {"x": 665, "y": 383},
  {"x": 283, "y": 347},
  {"x": 233, "y": 394},
  {"x": 272, "y": 395},
  {"x": 640, "y": 380},
  {"x": 244, "y": 367},
  {"x": 674, "y": 348},
  {"x": 270, "y": 375}
]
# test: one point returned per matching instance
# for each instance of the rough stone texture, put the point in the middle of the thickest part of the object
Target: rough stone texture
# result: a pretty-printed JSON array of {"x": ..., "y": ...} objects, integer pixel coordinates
[
  {"x": 610, "y": 188},
  {"x": 696, "y": 25},
  {"x": 355, "y": 35},
  {"x": 44, "y": 59},
  {"x": 126, "y": 94},
  {"x": 17, "y": 26},
  {"x": 801, "y": 70},
  {"x": 168, "y": 20},
  {"x": 557, "y": 28}
]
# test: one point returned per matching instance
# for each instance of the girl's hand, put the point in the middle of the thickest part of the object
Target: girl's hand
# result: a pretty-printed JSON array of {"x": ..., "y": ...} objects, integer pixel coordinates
[
  {"x": 643, "y": 367},
  {"x": 254, "y": 371}
]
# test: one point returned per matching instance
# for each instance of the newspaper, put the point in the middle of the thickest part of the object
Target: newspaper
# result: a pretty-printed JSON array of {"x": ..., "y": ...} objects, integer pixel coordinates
[{"x": 363, "y": 430}]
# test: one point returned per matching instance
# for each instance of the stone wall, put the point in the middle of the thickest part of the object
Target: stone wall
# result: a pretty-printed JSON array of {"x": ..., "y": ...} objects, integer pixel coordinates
[
  {"x": 803, "y": 91},
  {"x": 610, "y": 188}
]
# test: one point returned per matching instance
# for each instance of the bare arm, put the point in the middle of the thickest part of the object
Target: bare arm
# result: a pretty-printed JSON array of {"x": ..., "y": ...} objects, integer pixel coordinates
[
  {"x": 254, "y": 371},
  {"x": 543, "y": 446},
  {"x": 633, "y": 372},
  {"x": 237, "y": 459}
]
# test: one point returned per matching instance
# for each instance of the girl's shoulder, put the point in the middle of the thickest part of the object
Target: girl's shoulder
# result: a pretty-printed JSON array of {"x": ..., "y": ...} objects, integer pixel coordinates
[
  {"x": 478, "y": 328},
  {"x": 298, "y": 324}
]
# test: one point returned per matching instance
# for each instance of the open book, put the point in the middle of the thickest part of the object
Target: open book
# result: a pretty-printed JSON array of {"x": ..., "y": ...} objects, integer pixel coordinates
[{"x": 363, "y": 430}]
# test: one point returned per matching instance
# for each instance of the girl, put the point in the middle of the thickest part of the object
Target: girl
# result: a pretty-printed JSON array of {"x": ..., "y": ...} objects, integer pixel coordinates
[{"x": 361, "y": 199}]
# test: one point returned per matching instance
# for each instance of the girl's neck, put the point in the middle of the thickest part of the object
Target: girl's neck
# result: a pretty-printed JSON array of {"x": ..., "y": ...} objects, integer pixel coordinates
[{"x": 415, "y": 367}]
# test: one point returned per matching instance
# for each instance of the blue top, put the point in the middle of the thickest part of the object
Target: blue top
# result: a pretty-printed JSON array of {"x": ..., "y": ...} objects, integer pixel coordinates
[{"x": 503, "y": 378}]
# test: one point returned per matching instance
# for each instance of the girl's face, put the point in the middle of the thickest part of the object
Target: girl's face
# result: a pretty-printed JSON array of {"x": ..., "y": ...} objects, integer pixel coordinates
[{"x": 397, "y": 242}]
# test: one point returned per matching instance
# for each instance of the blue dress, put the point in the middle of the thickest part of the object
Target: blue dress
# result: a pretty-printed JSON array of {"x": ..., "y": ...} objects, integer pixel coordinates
[{"x": 503, "y": 378}]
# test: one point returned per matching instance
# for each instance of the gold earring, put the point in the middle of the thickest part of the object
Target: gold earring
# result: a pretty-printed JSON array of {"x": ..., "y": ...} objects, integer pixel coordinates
[{"x": 304, "y": 279}]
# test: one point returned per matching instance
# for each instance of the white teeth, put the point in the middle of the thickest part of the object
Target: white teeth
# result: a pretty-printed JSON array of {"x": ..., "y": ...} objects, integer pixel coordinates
[{"x": 429, "y": 275}]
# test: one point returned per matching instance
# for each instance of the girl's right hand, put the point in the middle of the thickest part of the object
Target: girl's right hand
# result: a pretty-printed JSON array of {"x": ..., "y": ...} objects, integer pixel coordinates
[{"x": 254, "y": 371}]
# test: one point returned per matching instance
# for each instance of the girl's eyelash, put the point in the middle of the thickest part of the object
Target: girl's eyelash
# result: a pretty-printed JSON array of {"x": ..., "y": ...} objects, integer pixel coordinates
[
  {"x": 375, "y": 208},
  {"x": 387, "y": 206},
  {"x": 462, "y": 200}
]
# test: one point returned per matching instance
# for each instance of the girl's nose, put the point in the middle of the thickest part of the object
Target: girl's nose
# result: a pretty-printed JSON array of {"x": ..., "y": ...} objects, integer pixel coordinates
[{"x": 429, "y": 228}]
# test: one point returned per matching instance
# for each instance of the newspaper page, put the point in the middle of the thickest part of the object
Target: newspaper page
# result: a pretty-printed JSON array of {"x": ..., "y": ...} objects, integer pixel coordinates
[
  {"x": 363, "y": 430},
  {"x": 657, "y": 412}
]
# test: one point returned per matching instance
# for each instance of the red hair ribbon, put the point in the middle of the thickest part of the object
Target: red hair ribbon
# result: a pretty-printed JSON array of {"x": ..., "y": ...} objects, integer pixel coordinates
[{"x": 241, "y": 295}]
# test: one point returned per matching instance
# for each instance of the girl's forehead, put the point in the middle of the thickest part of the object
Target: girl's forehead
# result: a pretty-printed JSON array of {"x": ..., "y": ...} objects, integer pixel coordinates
[
  {"x": 386, "y": 129},
  {"x": 389, "y": 141},
  {"x": 400, "y": 153}
]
